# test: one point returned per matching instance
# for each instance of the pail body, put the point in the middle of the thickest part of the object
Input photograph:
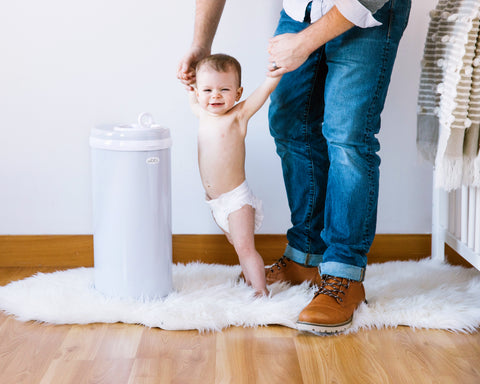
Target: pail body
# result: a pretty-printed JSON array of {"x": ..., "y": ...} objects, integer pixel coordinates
[{"x": 132, "y": 232}]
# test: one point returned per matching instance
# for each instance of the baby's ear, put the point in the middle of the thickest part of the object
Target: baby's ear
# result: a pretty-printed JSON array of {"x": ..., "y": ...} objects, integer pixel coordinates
[{"x": 239, "y": 93}]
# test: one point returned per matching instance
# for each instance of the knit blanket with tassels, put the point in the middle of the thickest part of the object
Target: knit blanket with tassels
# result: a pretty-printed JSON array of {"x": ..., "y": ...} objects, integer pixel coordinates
[{"x": 448, "y": 117}]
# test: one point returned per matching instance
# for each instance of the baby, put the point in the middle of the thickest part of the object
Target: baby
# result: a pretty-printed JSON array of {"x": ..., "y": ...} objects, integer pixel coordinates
[{"x": 221, "y": 156}]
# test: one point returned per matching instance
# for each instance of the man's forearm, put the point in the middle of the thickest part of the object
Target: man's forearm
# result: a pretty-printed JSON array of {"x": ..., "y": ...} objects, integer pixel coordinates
[
  {"x": 331, "y": 25},
  {"x": 207, "y": 17}
]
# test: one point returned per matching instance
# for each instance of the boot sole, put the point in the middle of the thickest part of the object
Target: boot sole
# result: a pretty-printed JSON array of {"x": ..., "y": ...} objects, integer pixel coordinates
[{"x": 324, "y": 329}]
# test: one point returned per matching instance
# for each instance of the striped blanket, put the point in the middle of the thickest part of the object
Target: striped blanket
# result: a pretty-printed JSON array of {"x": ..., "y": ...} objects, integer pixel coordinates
[{"x": 448, "y": 118}]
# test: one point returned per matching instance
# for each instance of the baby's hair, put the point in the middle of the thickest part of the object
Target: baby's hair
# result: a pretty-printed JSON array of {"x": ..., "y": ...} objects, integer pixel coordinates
[{"x": 221, "y": 62}]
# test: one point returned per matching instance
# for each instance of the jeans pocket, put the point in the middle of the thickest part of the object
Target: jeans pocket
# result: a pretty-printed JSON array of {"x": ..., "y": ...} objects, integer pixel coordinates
[
  {"x": 391, "y": 18},
  {"x": 398, "y": 13}
]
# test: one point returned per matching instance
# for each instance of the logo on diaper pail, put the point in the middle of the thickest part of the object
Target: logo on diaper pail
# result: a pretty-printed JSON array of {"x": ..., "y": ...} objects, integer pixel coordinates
[{"x": 153, "y": 160}]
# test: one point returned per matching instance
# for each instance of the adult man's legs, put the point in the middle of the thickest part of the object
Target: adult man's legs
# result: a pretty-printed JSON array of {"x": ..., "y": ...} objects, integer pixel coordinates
[
  {"x": 341, "y": 189},
  {"x": 359, "y": 64},
  {"x": 296, "y": 115}
]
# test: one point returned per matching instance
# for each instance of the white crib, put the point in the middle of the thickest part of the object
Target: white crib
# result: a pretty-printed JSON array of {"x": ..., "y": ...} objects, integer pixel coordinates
[
  {"x": 456, "y": 222},
  {"x": 449, "y": 122}
]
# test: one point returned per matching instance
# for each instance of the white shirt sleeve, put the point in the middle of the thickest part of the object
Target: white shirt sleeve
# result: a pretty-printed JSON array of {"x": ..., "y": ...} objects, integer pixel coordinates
[{"x": 356, "y": 13}]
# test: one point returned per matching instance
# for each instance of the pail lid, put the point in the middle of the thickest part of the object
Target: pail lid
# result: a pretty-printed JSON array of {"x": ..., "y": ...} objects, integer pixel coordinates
[{"x": 143, "y": 136}]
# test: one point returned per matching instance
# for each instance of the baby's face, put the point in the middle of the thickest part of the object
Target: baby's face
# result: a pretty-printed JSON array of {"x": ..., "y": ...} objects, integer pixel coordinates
[{"x": 217, "y": 92}]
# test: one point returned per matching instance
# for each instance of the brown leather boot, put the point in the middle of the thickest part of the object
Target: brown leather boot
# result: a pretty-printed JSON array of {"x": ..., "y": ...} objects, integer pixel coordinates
[
  {"x": 332, "y": 307},
  {"x": 286, "y": 270}
]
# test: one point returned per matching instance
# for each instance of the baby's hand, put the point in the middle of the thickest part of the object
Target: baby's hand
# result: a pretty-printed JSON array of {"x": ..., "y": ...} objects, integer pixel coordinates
[
  {"x": 187, "y": 78},
  {"x": 192, "y": 97}
]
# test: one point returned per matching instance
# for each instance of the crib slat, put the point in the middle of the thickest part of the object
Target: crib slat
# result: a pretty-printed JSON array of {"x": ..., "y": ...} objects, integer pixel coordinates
[
  {"x": 476, "y": 246},
  {"x": 458, "y": 214},
  {"x": 464, "y": 210},
  {"x": 471, "y": 218},
  {"x": 451, "y": 212}
]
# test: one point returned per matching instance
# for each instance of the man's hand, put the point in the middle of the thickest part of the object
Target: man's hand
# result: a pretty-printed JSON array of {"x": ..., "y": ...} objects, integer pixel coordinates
[
  {"x": 186, "y": 66},
  {"x": 287, "y": 53},
  {"x": 290, "y": 50}
]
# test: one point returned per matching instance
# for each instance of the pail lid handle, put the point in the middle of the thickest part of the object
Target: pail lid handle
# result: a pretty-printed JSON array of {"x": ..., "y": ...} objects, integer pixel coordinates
[{"x": 145, "y": 120}]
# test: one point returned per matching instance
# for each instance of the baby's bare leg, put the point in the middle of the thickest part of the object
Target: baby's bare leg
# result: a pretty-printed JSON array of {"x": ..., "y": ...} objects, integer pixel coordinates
[
  {"x": 229, "y": 238},
  {"x": 242, "y": 227}
]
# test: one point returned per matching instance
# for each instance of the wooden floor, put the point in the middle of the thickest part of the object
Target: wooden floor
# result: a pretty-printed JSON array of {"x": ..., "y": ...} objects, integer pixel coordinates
[{"x": 120, "y": 353}]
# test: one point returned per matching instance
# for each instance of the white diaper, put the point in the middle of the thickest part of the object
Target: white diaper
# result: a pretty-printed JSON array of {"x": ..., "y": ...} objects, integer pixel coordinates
[{"x": 232, "y": 201}]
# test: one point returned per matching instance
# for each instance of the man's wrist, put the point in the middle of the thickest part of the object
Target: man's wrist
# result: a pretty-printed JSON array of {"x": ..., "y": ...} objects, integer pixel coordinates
[
  {"x": 331, "y": 25},
  {"x": 201, "y": 48},
  {"x": 309, "y": 41}
]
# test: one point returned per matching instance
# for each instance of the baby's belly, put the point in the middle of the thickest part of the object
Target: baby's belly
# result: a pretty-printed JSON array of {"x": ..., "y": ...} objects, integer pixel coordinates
[{"x": 219, "y": 181}]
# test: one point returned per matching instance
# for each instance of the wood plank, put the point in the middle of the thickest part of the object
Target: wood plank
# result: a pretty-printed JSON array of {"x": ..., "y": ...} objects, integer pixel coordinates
[
  {"x": 8, "y": 274},
  {"x": 235, "y": 351},
  {"x": 88, "y": 371},
  {"x": 26, "y": 349},
  {"x": 174, "y": 357},
  {"x": 70, "y": 251},
  {"x": 70, "y": 371},
  {"x": 280, "y": 355},
  {"x": 46, "y": 251},
  {"x": 82, "y": 342},
  {"x": 270, "y": 360},
  {"x": 120, "y": 342},
  {"x": 152, "y": 371},
  {"x": 400, "y": 247}
]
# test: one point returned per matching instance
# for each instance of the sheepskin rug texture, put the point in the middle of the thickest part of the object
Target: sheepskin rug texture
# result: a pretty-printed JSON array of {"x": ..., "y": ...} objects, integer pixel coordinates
[{"x": 206, "y": 297}]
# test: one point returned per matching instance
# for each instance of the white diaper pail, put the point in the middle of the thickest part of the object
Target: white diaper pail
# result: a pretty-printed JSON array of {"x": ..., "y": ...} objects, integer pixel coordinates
[{"x": 132, "y": 231}]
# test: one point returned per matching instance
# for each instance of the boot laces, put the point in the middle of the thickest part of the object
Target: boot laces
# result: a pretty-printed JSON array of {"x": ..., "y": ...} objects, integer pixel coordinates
[
  {"x": 279, "y": 264},
  {"x": 334, "y": 287}
]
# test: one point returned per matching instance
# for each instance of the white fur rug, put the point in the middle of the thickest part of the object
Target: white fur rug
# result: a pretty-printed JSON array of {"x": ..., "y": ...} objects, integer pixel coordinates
[{"x": 424, "y": 294}]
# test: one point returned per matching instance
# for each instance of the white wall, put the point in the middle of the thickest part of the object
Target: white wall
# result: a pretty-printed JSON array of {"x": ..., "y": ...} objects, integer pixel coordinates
[{"x": 67, "y": 66}]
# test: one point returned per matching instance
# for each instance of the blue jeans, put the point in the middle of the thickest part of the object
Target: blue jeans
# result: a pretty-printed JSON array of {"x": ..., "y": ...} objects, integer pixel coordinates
[{"x": 324, "y": 117}]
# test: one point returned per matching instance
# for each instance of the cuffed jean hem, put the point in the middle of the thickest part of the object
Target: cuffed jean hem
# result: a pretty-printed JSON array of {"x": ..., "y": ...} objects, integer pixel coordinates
[
  {"x": 310, "y": 259},
  {"x": 346, "y": 271}
]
